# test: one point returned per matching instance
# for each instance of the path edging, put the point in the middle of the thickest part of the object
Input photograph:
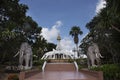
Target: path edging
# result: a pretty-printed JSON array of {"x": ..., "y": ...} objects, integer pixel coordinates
[{"x": 25, "y": 74}]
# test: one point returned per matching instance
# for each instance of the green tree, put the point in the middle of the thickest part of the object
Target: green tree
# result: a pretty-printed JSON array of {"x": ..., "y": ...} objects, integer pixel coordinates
[
  {"x": 39, "y": 46},
  {"x": 74, "y": 32},
  {"x": 51, "y": 46},
  {"x": 105, "y": 30},
  {"x": 113, "y": 12},
  {"x": 12, "y": 15},
  {"x": 15, "y": 28}
]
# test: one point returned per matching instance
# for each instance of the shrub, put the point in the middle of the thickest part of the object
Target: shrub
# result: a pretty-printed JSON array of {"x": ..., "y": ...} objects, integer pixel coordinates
[
  {"x": 40, "y": 67},
  {"x": 79, "y": 67},
  {"x": 38, "y": 62},
  {"x": 110, "y": 71},
  {"x": 82, "y": 62},
  {"x": 70, "y": 60}
]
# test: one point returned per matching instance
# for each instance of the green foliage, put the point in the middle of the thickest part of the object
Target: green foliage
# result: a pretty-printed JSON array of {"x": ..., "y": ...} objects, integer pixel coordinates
[
  {"x": 105, "y": 31},
  {"x": 82, "y": 63},
  {"x": 12, "y": 12},
  {"x": 15, "y": 28},
  {"x": 80, "y": 67},
  {"x": 12, "y": 16},
  {"x": 51, "y": 46},
  {"x": 70, "y": 60},
  {"x": 40, "y": 67},
  {"x": 74, "y": 32},
  {"x": 38, "y": 62},
  {"x": 41, "y": 47},
  {"x": 110, "y": 71}
]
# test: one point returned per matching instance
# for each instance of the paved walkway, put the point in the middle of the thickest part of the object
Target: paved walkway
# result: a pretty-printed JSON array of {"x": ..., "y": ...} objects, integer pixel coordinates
[
  {"x": 60, "y": 71},
  {"x": 61, "y": 75}
]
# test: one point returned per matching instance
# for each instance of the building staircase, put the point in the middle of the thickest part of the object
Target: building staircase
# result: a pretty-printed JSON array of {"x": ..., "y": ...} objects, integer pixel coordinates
[{"x": 60, "y": 67}]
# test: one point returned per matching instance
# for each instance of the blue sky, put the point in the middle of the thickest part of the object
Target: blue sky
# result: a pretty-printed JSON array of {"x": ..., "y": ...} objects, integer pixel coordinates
[{"x": 58, "y": 16}]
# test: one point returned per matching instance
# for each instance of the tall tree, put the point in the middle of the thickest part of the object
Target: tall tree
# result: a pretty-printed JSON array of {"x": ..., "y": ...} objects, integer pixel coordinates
[
  {"x": 15, "y": 28},
  {"x": 105, "y": 28},
  {"x": 74, "y": 32},
  {"x": 113, "y": 11},
  {"x": 12, "y": 14}
]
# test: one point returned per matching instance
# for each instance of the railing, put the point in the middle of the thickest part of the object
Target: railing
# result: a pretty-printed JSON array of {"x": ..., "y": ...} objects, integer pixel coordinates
[
  {"x": 76, "y": 65},
  {"x": 43, "y": 67}
]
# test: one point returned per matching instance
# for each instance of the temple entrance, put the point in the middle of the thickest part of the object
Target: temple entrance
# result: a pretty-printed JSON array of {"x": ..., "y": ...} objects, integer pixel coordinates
[
  {"x": 58, "y": 53},
  {"x": 58, "y": 56}
]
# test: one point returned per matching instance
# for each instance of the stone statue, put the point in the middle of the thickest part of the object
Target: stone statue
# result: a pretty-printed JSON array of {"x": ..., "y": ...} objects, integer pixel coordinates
[
  {"x": 93, "y": 55},
  {"x": 25, "y": 54}
]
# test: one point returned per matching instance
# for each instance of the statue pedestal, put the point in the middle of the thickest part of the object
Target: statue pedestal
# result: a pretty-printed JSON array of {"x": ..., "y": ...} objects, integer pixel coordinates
[{"x": 26, "y": 67}]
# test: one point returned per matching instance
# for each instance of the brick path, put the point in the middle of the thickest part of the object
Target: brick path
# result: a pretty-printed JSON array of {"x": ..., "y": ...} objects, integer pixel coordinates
[
  {"x": 60, "y": 72},
  {"x": 61, "y": 75}
]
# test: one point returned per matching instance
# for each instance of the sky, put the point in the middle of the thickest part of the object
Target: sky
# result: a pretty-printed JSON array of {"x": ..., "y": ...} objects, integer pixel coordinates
[{"x": 58, "y": 16}]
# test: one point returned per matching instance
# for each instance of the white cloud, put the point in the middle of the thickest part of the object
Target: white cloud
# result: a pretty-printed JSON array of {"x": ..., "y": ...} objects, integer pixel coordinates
[
  {"x": 67, "y": 43},
  {"x": 100, "y": 5},
  {"x": 57, "y": 24},
  {"x": 51, "y": 34}
]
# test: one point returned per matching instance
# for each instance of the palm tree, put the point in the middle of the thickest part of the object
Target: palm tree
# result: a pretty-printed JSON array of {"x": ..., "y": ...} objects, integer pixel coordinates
[{"x": 74, "y": 32}]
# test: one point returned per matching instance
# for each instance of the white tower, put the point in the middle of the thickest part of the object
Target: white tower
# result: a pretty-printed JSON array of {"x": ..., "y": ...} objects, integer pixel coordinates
[{"x": 58, "y": 48}]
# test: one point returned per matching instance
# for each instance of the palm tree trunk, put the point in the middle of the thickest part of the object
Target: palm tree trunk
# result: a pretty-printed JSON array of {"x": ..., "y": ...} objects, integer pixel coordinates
[{"x": 77, "y": 50}]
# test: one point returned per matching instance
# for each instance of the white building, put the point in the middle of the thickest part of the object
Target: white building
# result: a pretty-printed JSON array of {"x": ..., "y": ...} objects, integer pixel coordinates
[{"x": 59, "y": 53}]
